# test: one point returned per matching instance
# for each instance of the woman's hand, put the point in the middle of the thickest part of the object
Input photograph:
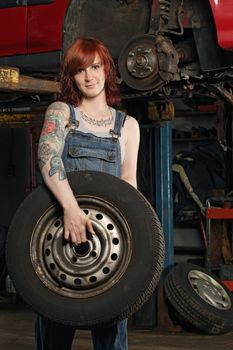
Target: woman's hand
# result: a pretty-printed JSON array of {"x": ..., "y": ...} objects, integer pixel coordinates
[{"x": 76, "y": 223}]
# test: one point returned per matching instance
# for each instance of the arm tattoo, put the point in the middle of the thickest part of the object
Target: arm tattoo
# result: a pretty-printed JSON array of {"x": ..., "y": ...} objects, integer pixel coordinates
[
  {"x": 57, "y": 167},
  {"x": 43, "y": 154},
  {"x": 52, "y": 141}
]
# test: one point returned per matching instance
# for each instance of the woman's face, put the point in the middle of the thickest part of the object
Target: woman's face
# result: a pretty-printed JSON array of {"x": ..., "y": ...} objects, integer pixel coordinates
[{"x": 91, "y": 80}]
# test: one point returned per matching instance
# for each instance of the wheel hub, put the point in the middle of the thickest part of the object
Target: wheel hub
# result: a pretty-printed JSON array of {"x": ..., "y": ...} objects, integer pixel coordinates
[
  {"x": 148, "y": 62},
  {"x": 142, "y": 61}
]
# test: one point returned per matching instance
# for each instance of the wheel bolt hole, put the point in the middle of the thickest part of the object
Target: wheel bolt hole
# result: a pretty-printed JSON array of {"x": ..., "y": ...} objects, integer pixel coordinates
[
  {"x": 52, "y": 266},
  {"x": 92, "y": 279},
  {"x": 93, "y": 254},
  {"x": 86, "y": 211},
  {"x": 47, "y": 252},
  {"x": 82, "y": 249},
  {"x": 106, "y": 270},
  {"x": 114, "y": 257},
  {"x": 77, "y": 281},
  {"x": 62, "y": 276},
  {"x": 49, "y": 236},
  {"x": 57, "y": 223},
  {"x": 115, "y": 241},
  {"x": 74, "y": 259},
  {"x": 110, "y": 227},
  {"x": 99, "y": 216}
]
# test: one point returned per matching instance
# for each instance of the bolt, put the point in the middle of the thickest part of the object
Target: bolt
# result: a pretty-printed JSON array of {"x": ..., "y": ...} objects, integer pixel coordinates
[
  {"x": 147, "y": 51},
  {"x": 141, "y": 60}
]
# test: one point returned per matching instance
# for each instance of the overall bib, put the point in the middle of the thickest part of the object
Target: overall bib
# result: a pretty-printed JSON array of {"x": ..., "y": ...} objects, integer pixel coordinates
[{"x": 85, "y": 151}]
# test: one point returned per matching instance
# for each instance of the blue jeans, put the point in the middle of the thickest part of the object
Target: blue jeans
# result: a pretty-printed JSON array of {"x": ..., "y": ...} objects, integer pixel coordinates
[{"x": 53, "y": 336}]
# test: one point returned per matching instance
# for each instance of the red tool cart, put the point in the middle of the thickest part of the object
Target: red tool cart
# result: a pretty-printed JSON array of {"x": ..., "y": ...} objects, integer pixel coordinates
[{"x": 221, "y": 209}]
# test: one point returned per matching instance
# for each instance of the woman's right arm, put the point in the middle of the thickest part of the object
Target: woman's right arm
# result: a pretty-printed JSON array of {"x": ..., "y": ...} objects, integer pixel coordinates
[{"x": 50, "y": 149}]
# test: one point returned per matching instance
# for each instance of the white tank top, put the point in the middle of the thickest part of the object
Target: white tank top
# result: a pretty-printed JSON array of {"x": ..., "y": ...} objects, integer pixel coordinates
[{"x": 82, "y": 127}]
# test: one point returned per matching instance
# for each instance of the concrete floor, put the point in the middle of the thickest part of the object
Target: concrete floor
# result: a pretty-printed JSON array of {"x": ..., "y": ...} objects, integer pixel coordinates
[{"x": 17, "y": 323}]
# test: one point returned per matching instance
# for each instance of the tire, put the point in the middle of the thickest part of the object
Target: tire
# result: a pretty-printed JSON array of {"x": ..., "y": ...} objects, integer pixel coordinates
[
  {"x": 199, "y": 299},
  {"x": 104, "y": 280}
]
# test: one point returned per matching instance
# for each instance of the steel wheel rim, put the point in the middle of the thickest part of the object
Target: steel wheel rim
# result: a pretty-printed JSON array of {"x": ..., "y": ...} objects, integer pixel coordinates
[
  {"x": 209, "y": 290},
  {"x": 89, "y": 269}
]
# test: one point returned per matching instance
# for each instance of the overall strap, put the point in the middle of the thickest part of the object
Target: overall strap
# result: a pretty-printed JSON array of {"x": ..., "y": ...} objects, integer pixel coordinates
[
  {"x": 119, "y": 122},
  {"x": 73, "y": 119}
]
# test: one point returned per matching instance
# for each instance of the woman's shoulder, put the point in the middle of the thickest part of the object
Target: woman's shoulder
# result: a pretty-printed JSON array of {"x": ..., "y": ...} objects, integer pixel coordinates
[
  {"x": 131, "y": 122},
  {"x": 59, "y": 107},
  {"x": 131, "y": 129}
]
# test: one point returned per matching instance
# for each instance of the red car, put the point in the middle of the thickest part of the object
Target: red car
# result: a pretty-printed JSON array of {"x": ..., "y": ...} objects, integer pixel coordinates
[{"x": 154, "y": 42}]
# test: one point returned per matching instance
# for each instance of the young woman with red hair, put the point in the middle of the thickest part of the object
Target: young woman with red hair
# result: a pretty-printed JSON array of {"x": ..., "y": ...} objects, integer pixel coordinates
[{"x": 85, "y": 116}]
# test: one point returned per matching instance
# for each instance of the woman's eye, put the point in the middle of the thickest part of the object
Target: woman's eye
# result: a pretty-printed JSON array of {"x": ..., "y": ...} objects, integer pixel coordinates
[
  {"x": 80, "y": 70},
  {"x": 95, "y": 66}
]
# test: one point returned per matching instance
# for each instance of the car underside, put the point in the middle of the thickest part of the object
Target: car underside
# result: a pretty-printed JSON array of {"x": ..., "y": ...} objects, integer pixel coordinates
[{"x": 162, "y": 48}]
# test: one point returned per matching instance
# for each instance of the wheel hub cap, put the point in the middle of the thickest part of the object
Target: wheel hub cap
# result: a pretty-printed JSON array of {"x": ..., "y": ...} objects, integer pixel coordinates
[{"x": 209, "y": 290}]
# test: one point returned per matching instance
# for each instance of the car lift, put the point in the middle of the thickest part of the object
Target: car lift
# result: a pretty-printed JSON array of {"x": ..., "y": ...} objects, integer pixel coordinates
[{"x": 12, "y": 81}]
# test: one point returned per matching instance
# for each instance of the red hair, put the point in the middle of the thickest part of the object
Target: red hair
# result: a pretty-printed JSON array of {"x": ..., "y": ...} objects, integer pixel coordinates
[{"x": 81, "y": 54}]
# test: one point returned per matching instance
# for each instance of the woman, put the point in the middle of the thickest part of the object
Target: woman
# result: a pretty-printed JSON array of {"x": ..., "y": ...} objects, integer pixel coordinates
[{"x": 85, "y": 123}]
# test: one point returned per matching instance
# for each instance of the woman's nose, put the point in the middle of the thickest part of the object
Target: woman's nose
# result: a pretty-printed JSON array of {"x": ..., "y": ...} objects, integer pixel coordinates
[{"x": 88, "y": 75}]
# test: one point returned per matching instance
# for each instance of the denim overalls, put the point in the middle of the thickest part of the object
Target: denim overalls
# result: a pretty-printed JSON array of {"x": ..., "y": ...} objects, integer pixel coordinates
[{"x": 85, "y": 151}]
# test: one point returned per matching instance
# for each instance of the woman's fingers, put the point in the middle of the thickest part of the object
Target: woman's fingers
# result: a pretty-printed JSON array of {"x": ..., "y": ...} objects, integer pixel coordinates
[
  {"x": 77, "y": 232},
  {"x": 90, "y": 226},
  {"x": 76, "y": 239},
  {"x": 66, "y": 233}
]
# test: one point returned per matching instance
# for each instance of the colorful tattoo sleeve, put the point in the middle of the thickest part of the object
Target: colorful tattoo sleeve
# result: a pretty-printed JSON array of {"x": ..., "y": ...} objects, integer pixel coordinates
[{"x": 52, "y": 141}]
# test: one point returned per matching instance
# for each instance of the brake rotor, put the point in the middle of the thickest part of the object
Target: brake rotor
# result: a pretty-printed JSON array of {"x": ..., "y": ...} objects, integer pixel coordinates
[{"x": 138, "y": 63}]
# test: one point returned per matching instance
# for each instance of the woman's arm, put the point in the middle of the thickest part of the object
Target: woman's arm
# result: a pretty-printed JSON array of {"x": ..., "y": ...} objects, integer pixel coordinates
[
  {"x": 129, "y": 166},
  {"x": 50, "y": 149}
]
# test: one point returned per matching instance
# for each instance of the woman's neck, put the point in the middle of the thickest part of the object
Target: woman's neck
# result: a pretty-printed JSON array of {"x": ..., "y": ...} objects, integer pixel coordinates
[{"x": 95, "y": 109}]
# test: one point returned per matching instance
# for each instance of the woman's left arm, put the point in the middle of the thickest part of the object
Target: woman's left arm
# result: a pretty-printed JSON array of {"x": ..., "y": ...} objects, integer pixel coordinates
[{"x": 129, "y": 166}]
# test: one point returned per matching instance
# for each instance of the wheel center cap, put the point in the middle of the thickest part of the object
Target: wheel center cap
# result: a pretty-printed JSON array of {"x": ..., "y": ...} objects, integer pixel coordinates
[{"x": 82, "y": 249}]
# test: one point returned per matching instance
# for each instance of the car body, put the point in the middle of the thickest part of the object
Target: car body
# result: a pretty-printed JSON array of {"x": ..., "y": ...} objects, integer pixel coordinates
[{"x": 172, "y": 41}]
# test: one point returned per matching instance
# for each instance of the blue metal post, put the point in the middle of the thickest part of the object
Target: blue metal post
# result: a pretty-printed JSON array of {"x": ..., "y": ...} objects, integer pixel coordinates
[{"x": 163, "y": 187}]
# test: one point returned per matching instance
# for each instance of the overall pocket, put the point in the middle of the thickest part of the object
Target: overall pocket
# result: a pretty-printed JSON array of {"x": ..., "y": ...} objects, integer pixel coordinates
[{"x": 84, "y": 158}]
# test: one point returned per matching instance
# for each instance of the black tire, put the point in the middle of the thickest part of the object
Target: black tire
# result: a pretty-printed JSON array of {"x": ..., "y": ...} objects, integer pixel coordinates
[
  {"x": 199, "y": 299},
  {"x": 111, "y": 278}
]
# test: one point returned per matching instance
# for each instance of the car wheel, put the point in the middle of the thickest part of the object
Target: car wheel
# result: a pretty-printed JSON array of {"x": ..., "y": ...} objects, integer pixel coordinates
[
  {"x": 199, "y": 298},
  {"x": 103, "y": 280}
]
